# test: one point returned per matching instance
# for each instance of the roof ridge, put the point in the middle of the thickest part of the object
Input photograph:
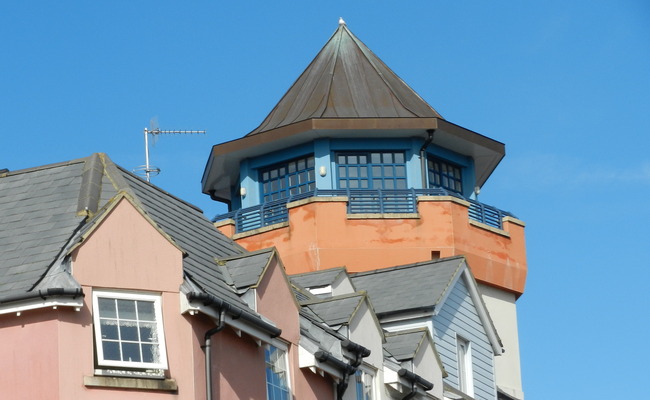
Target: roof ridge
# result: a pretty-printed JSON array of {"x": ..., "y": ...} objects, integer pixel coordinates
[{"x": 405, "y": 266}]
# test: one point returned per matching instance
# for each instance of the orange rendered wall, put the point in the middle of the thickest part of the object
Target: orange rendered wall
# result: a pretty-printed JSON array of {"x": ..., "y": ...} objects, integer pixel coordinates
[{"x": 320, "y": 235}]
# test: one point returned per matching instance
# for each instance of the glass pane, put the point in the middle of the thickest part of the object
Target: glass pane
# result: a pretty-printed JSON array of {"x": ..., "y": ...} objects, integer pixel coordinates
[
  {"x": 311, "y": 174},
  {"x": 353, "y": 184},
  {"x": 389, "y": 184},
  {"x": 301, "y": 165},
  {"x": 146, "y": 311},
  {"x": 400, "y": 184},
  {"x": 126, "y": 309},
  {"x": 148, "y": 332},
  {"x": 340, "y": 159},
  {"x": 265, "y": 176},
  {"x": 388, "y": 171},
  {"x": 302, "y": 177},
  {"x": 343, "y": 184},
  {"x": 109, "y": 329},
  {"x": 274, "y": 174},
  {"x": 310, "y": 162},
  {"x": 352, "y": 159},
  {"x": 364, "y": 184},
  {"x": 399, "y": 158},
  {"x": 149, "y": 353},
  {"x": 376, "y": 171},
  {"x": 291, "y": 167},
  {"x": 111, "y": 351},
  {"x": 375, "y": 158},
  {"x": 283, "y": 171},
  {"x": 363, "y": 159},
  {"x": 342, "y": 172},
  {"x": 363, "y": 172},
  {"x": 377, "y": 184},
  {"x": 131, "y": 352},
  {"x": 107, "y": 308},
  {"x": 400, "y": 171},
  {"x": 353, "y": 172},
  {"x": 387, "y": 158},
  {"x": 128, "y": 331}
]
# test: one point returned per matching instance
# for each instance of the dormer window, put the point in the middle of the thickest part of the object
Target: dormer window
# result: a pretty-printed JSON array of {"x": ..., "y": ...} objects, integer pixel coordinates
[
  {"x": 371, "y": 170},
  {"x": 445, "y": 175},
  {"x": 287, "y": 179},
  {"x": 129, "y": 336}
]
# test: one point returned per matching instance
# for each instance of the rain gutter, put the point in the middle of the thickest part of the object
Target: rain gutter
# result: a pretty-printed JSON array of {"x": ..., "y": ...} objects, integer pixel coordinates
[
  {"x": 415, "y": 380},
  {"x": 44, "y": 294},
  {"x": 347, "y": 369}
]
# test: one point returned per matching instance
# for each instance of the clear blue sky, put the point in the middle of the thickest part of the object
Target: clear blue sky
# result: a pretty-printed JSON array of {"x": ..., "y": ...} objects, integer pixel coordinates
[{"x": 564, "y": 84}]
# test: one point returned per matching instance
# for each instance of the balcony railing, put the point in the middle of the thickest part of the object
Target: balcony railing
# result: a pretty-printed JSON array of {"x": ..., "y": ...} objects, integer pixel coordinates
[{"x": 360, "y": 201}]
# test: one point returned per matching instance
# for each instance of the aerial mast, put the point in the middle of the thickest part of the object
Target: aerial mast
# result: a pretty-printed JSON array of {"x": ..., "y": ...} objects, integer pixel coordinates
[{"x": 147, "y": 170}]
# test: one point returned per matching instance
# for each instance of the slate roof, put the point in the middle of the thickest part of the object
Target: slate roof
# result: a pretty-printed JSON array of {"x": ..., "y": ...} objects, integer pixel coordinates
[
  {"x": 403, "y": 345},
  {"x": 317, "y": 278},
  {"x": 419, "y": 286},
  {"x": 44, "y": 210},
  {"x": 244, "y": 271},
  {"x": 346, "y": 80},
  {"x": 337, "y": 310}
]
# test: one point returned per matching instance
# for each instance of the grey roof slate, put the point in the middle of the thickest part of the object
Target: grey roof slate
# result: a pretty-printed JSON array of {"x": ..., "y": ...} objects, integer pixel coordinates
[
  {"x": 42, "y": 211},
  {"x": 403, "y": 345},
  {"x": 337, "y": 310},
  {"x": 346, "y": 80},
  {"x": 246, "y": 270},
  {"x": 408, "y": 287},
  {"x": 317, "y": 278}
]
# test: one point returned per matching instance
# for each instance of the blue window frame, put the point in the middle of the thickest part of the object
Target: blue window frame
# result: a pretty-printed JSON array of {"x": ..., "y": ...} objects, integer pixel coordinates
[
  {"x": 364, "y": 385},
  {"x": 371, "y": 170},
  {"x": 444, "y": 174},
  {"x": 277, "y": 380},
  {"x": 286, "y": 179}
]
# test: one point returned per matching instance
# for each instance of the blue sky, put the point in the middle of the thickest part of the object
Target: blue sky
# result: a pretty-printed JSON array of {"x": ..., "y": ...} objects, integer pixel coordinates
[{"x": 565, "y": 85}]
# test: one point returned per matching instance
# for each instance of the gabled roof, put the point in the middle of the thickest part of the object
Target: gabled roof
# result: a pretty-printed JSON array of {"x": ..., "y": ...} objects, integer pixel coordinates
[
  {"x": 338, "y": 310},
  {"x": 346, "y": 80},
  {"x": 318, "y": 278},
  {"x": 403, "y": 345},
  {"x": 420, "y": 286},
  {"x": 45, "y": 211},
  {"x": 423, "y": 287},
  {"x": 246, "y": 270}
]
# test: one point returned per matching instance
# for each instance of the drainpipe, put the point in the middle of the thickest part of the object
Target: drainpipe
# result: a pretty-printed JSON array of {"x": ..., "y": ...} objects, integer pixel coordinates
[
  {"x": 347, "y": 369},
  {"x": 423, "y": 158},
  {"x": 208, "y": 352}
]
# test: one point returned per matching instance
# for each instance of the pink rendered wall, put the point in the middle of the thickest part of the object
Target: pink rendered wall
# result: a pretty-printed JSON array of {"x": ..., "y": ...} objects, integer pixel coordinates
[
  {"x": 29, "y": 355},
  {"x": 126, "y": 252}
]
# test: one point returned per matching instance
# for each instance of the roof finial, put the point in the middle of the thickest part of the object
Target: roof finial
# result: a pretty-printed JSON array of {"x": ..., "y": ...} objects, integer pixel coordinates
[{"x": 341, "y": 22}]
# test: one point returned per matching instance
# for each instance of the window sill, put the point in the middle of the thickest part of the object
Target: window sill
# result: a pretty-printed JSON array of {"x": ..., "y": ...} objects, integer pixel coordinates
[{"x": 163, "y": 385}]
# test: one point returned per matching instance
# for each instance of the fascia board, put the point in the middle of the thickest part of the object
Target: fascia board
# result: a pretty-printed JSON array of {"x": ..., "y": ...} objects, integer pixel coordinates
[
  {"x": 307, "y": 360},
  {"x": 37, "y": 303},
  {"x": 106, "y": 211},
  {"x": 483, "y": 312},
  {"x": 239, "y": 325}
]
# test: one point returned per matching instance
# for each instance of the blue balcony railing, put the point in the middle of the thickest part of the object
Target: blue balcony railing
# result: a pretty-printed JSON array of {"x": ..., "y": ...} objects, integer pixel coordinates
[{"x": 360, "y": 201}]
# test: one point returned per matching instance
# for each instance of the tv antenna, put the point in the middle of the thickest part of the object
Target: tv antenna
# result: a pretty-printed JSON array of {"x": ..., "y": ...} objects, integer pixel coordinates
[{"x": 147, "y": 170}]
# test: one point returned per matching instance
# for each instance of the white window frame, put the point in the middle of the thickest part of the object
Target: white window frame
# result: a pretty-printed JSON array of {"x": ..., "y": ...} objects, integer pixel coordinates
[
  {"x": 464, "y": 358},
  {"x": 284, "y": 360},
  {"x": 117, "y": 364}
]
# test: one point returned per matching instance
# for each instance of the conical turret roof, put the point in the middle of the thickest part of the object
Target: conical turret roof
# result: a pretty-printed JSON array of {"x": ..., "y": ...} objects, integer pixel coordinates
[{"x": 346, "y": 80}]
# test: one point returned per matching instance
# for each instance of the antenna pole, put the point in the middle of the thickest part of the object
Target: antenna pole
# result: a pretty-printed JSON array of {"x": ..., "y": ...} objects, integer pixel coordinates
[{"x": 148, "y": 169}]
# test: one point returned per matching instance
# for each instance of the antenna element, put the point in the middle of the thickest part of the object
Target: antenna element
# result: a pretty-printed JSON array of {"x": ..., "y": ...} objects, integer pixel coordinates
[{"x": 148, "y": 170}]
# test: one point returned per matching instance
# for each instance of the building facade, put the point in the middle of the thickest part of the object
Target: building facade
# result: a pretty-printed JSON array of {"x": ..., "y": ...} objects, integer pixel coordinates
[{"x": 353, "y": 168}]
